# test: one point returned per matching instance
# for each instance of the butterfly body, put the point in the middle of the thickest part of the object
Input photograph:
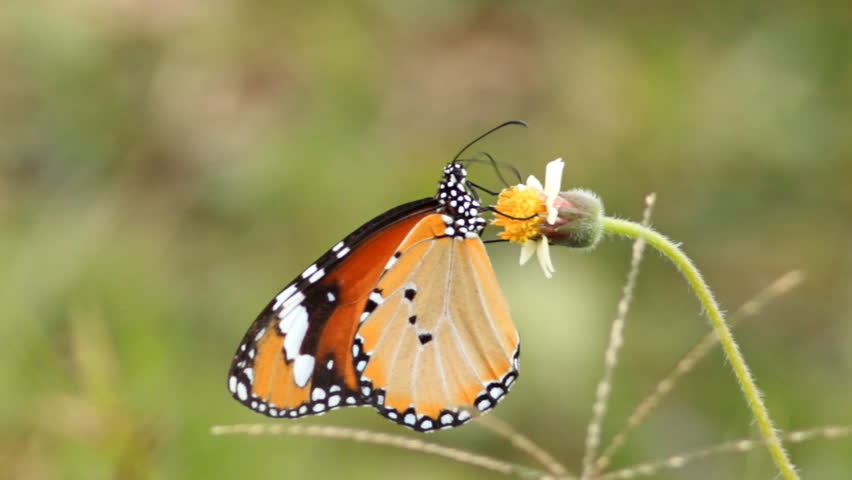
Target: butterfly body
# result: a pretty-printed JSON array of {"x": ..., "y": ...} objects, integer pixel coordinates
[{"x": 404, "y": 315}]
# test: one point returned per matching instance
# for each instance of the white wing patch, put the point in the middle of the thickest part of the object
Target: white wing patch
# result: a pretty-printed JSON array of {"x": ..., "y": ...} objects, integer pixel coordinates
[
  {"x": 303, "y": 367},
  {"x": 295, "y": 333}
]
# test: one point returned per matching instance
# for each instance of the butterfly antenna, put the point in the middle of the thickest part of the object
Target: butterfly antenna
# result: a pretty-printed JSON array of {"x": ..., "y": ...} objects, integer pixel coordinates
[
  {"x": 489, "y": 132},
  {"x": 494, "y": 164},
  {"x": 498, "y": 165}
]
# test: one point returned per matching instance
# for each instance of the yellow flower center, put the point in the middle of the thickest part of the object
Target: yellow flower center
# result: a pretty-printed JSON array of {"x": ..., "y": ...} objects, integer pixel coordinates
[{"x": 520, "y": 202}]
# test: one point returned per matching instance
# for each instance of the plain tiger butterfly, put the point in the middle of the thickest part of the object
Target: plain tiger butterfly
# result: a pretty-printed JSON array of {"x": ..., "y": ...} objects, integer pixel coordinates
[{"x": 404, "y": 314}]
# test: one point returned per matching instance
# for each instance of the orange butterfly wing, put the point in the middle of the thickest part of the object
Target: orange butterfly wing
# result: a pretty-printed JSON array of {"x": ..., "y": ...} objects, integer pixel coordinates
[
  {"x": 440, "y": 344},
  {"x": 296, "y": 358}
]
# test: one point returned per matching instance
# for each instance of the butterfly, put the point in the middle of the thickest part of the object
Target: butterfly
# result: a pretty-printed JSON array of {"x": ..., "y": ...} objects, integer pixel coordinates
[{"x": 404, "y": 315}]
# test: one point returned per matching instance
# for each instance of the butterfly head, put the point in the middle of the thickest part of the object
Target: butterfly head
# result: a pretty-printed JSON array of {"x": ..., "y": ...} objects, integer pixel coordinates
[{"x": 461, "y": 208}]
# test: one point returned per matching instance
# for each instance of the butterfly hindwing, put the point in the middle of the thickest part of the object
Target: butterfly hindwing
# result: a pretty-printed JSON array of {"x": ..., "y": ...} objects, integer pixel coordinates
[{"x": 439, "y": 344}]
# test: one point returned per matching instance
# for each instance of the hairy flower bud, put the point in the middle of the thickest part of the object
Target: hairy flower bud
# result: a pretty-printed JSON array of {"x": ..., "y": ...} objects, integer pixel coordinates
[{"x": 578, "y": 223}]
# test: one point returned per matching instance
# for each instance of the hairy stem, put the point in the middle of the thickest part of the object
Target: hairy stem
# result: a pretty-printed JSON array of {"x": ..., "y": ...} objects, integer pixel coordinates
[{"x": 732, "y": 352}]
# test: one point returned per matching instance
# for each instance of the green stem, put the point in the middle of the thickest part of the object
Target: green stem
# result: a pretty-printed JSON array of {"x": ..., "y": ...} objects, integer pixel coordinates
[{"x": 744, "y": 377}]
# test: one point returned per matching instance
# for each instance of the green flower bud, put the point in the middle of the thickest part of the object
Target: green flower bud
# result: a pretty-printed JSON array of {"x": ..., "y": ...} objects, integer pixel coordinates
[{"x": 578, "y": 223}]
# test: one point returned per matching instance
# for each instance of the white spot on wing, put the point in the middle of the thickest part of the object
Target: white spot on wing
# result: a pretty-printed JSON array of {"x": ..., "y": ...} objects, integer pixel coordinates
[
  {"x": 242, "y": 392},
  {"x": 317, "y": 276},
  {"x": 303, "y": 368},
  {"x": 343, "y": 252},
  {"x": 289, "y": 316},
  {"x": 391, "y": 262},
  {"x": 232, "y": 384},
  {"x": 330, "y": 296},
  {"x": 296, "y": 332},
  {"x": 250, "y": 374},
  {"x": 283, "y": 296},
  {"x": 377, "y": 298},
  {"x": 288, "y": 305},
  {"x": 409, "y": 419},
  {"x": 259, "y": 334},
  {"x": 318, "y": 394},
  {"x": 309, "y": 271},
  {"x": 337, "y": 246},
  {"x": 293, "y": 316}
]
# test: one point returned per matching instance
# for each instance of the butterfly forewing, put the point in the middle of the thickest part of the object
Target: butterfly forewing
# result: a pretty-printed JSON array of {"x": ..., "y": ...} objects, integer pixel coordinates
[{"x": 297, "y": 358}]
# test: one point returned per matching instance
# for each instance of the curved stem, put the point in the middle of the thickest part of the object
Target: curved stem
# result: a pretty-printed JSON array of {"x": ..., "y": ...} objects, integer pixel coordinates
[{"x": 732, "y": 352}]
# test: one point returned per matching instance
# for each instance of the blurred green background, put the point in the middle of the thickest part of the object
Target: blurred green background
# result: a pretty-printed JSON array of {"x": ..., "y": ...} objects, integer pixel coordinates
[{"x": 166, "y": 167}]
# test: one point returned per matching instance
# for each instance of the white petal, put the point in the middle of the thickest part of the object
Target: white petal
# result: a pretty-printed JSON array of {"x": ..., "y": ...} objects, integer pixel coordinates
[
  {"x": 552, "y": 185},
  {"x": 544, "y": 258},
  {"x": 553, "y": 177},
  {"x": 533, "y": 182},
  {"x": 552, "y": 213},
  {"x": 527, "y": 250}
]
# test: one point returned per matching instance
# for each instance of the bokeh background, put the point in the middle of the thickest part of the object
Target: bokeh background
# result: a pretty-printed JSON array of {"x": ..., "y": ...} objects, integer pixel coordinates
[{"x": 166, "y": 167}]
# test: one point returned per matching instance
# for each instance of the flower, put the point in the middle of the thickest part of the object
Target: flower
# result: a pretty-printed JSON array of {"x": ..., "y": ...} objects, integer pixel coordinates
[
  {"x": 523, "y": 210},
  {"x": 520, "y": 210}
]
